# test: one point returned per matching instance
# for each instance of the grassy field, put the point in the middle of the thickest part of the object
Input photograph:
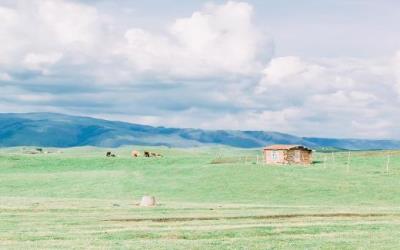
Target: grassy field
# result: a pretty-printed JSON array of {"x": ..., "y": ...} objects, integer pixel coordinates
[{"x": 209, "y": 198}]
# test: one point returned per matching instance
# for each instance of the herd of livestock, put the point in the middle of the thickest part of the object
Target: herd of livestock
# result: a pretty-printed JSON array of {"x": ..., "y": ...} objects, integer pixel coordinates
[{"x": 136, "y": 153}]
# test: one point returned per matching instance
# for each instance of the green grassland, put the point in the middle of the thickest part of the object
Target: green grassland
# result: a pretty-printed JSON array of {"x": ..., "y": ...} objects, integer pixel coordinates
[{"x": 209, "y": 198}]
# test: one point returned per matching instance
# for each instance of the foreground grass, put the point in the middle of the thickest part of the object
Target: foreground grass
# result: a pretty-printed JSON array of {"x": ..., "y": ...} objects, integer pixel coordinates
[{"x": 80, "y": 199}]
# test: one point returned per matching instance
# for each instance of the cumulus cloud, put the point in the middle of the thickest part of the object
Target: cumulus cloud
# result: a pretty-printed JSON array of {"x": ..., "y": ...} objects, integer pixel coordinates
[
  {"x": 36, "y": 35},
  {"x": 338, "y": 93},
  {"x": 46, "y": 49},
  {"x": 214, "y": 68},
  {"x": 220, "y": 40},
  {"x": 283, "y": 68}
]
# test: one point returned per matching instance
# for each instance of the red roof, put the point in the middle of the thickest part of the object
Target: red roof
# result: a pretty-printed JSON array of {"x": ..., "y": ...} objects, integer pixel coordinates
[{"x": 285, "y": 147}]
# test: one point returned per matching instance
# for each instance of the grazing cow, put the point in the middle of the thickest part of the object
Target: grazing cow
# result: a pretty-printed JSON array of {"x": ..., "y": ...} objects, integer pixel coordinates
[
  {"x": 146, "y": 154},
  {"x": 109, "y": 154},
  {"x": 153, "y": 154},
  {"x": 135, "y": 153}
]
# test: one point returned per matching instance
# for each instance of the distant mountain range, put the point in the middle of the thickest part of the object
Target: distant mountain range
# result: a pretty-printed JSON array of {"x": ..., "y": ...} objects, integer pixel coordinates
[{"x": 58, "y": 130}]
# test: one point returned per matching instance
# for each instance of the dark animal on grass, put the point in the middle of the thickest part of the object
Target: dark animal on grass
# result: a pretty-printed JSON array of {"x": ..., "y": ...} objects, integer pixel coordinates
[
  {"x": 109, "y": 154},
  {"x": 151, "y": 154}
]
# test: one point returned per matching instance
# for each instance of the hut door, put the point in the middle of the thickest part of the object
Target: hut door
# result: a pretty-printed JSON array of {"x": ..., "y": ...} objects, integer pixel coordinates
[
  {"x": 274, "y": 156},
  {"x": 297, "y": 155}
]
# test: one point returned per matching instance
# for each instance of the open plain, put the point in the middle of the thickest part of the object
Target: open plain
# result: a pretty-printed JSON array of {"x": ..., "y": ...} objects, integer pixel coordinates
[{"x": 207, "y": 198}]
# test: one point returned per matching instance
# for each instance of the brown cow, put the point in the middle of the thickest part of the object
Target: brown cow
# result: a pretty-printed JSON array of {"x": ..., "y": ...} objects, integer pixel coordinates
[
  {"x": 135, "y": 153},
  {"x": 146, "y": 154}
]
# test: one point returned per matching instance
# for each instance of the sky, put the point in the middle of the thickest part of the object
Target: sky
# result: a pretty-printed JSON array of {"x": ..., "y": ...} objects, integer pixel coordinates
[{"x": 306, "y": 67}]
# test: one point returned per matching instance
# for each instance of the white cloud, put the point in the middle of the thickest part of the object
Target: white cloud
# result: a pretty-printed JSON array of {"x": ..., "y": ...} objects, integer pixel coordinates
[
  {"x": 397, "y": 71},
  {"x": 220, "y": 40},
  {"x": 8, "y": 44},
  {"x": 34, "y": 61},
  {"x": 283, "y": 68},
  {"x": 212, "y": 69},
  {"x": 70, "y": 23},
  {"x": 339, "y": 94},
  {"x": 36, "y": 34}
]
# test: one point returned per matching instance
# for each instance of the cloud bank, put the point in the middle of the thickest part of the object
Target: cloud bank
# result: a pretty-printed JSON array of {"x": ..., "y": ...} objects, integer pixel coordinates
[{"x": 214, "y": 68}]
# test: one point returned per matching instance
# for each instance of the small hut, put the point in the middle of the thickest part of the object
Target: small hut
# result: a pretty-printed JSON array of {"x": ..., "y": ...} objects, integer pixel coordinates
[{"x": 287, "y": 154}]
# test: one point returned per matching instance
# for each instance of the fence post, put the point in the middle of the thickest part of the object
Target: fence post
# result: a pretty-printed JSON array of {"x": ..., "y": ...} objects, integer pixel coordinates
[
  {"x": 264, "y": 158},
  {"x": 387, "y": 163},
  {"x": 348, "y": 161}
]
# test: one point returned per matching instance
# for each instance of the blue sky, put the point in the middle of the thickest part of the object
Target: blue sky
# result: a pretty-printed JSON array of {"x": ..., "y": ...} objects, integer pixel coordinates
[{"x": 311, "y": 68}]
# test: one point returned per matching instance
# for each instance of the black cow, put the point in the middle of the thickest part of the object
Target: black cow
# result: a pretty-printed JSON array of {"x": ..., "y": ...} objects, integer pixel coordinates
[{"x": 109, "y": 154}]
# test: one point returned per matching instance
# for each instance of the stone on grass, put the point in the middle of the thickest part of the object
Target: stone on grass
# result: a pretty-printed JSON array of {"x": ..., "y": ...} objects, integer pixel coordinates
[{"x": 148, "y": 201}]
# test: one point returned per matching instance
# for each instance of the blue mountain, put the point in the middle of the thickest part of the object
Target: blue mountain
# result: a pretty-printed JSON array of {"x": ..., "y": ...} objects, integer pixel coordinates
[{"x": 59, "y": 130}]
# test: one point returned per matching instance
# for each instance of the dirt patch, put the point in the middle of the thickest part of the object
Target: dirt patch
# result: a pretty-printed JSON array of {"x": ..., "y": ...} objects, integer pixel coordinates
[
  {"x": 225, "y": 160},
  {"x": 257, "y": 217}
]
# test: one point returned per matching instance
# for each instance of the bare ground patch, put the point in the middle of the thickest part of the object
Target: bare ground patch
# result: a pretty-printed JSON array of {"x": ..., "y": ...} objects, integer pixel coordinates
[{"x": 256, "y": 217}]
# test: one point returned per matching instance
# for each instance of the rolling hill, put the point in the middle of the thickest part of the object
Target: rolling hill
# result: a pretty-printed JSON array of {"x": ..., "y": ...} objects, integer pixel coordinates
[{"x": 58, "y": 130}]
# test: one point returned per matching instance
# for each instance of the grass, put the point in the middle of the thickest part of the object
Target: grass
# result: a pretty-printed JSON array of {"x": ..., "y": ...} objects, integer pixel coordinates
[{"x": 209, "y": 198}]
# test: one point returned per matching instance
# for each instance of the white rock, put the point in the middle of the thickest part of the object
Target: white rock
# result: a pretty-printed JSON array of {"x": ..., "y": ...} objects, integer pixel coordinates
[{"x": 148, "y": 201}]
